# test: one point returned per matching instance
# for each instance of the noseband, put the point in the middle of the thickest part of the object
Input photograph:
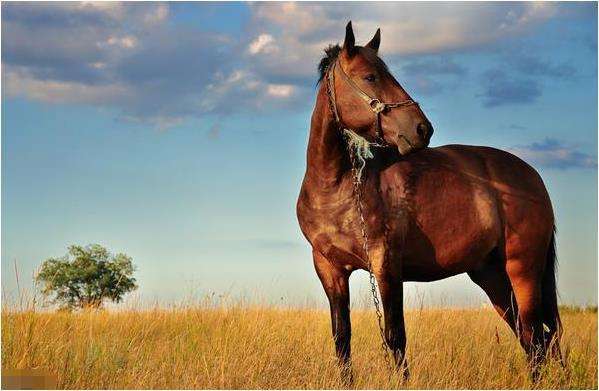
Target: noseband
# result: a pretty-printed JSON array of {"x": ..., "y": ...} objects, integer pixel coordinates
[{"x": 375, "y": 104}]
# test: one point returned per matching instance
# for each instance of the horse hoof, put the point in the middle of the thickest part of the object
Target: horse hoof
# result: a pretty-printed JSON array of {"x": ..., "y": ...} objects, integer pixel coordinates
[
  {"x": 347, "y": 377},
  {"x": 405, "y": 374}
]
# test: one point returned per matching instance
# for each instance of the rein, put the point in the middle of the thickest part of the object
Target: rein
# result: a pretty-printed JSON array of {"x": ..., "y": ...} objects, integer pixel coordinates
[{"x": 359, "y": 151}]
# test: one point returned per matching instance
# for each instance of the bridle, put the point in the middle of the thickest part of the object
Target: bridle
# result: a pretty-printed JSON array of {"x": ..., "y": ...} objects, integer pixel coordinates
[{"x": 375, "y": 104}]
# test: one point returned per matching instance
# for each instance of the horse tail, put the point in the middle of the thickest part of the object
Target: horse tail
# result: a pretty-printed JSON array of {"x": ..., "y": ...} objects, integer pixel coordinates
[{"x": 551, "y": 316}]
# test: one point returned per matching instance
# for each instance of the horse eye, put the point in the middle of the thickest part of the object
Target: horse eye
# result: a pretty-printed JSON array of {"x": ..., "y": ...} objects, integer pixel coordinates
[{"x": 370, "y": 78}]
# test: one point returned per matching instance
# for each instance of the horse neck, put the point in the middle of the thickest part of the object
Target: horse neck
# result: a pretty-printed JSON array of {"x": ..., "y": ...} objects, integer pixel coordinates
[{"x": 327, "y": 154}]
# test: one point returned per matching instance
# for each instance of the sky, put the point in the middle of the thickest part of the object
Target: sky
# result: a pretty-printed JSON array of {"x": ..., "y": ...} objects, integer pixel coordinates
[{"x": 176, "y": 132}]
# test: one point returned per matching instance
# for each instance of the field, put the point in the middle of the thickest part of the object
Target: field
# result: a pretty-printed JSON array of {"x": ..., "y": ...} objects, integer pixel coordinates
[{"x": 244, "y": 346}]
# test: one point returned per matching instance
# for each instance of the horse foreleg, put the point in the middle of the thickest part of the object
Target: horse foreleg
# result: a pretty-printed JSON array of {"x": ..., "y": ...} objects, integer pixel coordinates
[
  {"x": 335, "y": 281},
  {"x": 391, "y": 289}
]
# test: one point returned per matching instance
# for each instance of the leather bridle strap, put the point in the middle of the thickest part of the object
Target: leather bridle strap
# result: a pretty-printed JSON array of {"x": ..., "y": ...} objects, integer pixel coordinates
[
  {"x": 375, "y": 104},
  {"x": 331, "y": 91}
]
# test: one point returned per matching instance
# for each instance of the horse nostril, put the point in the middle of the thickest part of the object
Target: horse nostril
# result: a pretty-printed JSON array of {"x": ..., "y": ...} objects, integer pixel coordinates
[{"x": 424, "y": 130}]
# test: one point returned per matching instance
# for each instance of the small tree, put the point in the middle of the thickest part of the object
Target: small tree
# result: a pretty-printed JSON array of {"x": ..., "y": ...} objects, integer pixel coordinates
[{"x": 86, "y": 276}]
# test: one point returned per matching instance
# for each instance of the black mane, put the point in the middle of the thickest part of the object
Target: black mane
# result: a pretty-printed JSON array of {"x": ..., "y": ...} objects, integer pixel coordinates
[{"x": 331, "y": 54}]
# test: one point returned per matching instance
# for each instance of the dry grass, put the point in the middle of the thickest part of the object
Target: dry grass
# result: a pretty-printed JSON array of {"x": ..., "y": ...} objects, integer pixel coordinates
[{"x": 264, "y": 347}]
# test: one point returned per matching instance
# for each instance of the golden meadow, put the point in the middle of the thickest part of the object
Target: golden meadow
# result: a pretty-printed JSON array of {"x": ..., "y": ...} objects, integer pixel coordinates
[{"x": 249, "y": 346}]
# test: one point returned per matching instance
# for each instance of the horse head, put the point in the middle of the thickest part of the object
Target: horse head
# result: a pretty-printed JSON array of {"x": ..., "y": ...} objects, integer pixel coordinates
[{"x": 369, "y": 100}]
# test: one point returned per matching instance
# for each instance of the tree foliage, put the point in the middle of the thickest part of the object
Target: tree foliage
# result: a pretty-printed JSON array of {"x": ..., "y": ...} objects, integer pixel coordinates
[{"x": 86, "y": 276}]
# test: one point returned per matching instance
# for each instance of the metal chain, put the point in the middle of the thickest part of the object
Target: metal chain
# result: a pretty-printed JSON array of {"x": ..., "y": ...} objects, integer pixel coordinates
[
  {"x": 360, "y": 209},
  {"x": 371, "y": 277}
]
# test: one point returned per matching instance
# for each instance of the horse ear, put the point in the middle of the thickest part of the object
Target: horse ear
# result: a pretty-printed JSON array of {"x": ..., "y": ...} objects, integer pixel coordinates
[
  {"x": 350, "y": 41},
  {"x": 375, "y": 42}
]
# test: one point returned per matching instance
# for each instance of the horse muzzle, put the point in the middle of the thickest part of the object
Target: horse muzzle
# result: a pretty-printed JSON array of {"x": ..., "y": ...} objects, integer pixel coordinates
[{"x": 406, "y": 146}]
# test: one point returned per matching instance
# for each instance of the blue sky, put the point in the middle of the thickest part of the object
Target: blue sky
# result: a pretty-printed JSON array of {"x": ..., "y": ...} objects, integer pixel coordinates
[{"x": 176, "y": 133}]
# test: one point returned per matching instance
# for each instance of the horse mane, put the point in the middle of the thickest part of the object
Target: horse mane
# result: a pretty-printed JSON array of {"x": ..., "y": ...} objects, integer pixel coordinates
[{"x": 331, "y": 53}]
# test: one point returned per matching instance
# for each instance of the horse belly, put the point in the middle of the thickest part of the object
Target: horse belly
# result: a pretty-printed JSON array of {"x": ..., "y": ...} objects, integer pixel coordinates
[{"x": 453, "y": 234}]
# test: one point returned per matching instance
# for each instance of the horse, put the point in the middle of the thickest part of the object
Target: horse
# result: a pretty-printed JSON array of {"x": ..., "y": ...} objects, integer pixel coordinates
[{"x": 425, "y": 214}]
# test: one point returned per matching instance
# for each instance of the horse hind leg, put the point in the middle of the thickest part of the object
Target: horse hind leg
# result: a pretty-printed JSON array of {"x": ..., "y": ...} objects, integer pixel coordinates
[
  {"x": 527, "y": 286},
  {"x": 551, "y": 316},
  {"x": 494, "y": 280}
]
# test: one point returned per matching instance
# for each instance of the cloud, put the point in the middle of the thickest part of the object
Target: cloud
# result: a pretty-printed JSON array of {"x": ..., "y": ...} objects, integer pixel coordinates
[
  {"x": 280, "y": 90},
  {"x": 431, "y": 75},
  {"x": 264, "y": 43},
  {"x": 552, "y": 153},
  {"x": 241, "y": 90},
  {"x": 125, "y": 42},
  {"x": 422, "y": 50},
  {"x": 520, "y": 77},
  {"x": 134, "y": 59},
  {"x": 408, "y": 27},
  {"x": 434, "y": 66},
  {"x": 122, "y": 56},
  {"x": 20, "y": 82},
  {"x": 302, "y": 30},
  {"x": 502, "y": 89},
  {"x": 527, "y": 64}
]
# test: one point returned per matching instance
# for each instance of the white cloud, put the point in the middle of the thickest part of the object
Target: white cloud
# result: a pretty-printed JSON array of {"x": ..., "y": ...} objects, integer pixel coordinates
[
  {"x": 98, "y": 65},
  {"x": 534, "y": 12},
  {"x": 243, "y": 90},
  {"x": 156, "y": 15},
  {"x": 114, "y": 9},
  {"x": 223, "y": 86},
  {"x": 264, "y": 43},
  {"x": 280, "y": 90},
  {"x": 19, "y": 83},
  {"x": 125, "y": 42}
]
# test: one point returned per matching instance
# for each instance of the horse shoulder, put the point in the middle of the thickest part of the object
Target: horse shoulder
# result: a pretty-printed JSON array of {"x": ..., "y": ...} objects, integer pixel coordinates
[{"x": 326, "y": 213}]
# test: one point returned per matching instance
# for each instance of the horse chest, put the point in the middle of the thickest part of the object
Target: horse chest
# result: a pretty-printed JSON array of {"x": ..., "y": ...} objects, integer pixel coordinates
[{"x": 333, "y": 226}]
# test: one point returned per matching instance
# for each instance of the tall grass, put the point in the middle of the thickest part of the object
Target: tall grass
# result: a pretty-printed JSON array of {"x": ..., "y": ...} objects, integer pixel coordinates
[{"x": 247, "y": 346}]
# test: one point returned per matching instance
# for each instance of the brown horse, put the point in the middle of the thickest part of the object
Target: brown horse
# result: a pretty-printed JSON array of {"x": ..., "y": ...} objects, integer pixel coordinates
[{"x": 429, "y": 213}]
